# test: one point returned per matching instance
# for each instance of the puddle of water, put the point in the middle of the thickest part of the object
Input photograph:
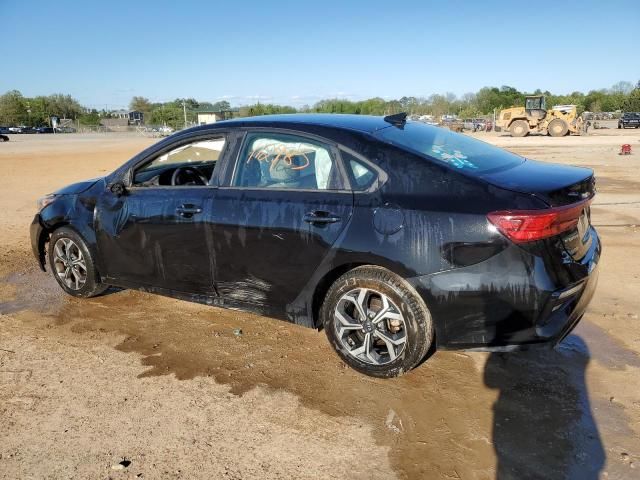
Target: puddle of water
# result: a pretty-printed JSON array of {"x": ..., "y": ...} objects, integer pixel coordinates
[
  {"x": 446, "y": 419},
  {"x": 29, "y": 290}
]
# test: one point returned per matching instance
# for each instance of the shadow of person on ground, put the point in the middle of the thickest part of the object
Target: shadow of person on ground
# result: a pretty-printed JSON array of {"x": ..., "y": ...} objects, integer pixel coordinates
[{"x": 543, "y": 427}]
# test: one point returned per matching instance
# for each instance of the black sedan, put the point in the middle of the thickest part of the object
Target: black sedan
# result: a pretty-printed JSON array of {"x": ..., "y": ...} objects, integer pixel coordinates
[
  {"x": 394, "y": 236},
  {"x": 629, "y": 120}
]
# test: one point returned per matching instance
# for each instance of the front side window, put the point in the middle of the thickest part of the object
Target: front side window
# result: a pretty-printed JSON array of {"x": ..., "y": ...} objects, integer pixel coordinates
[
  {"x": 190, "y": 164},
  {"x": 283, "y": 161}
]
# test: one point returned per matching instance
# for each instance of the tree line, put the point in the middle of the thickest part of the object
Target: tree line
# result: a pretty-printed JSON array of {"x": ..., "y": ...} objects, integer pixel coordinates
[{"x": 15, "y": 109}]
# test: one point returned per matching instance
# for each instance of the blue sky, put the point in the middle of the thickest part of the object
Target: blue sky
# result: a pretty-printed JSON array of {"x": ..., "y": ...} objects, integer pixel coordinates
[{"x": 104, "y": 52}]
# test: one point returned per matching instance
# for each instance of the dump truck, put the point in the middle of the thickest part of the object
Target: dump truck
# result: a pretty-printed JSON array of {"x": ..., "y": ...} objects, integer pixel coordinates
[{"x": 534, "y": 117}]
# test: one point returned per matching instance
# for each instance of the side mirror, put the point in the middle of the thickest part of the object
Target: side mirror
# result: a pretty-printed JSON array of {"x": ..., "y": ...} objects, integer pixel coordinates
[{"x": 117, "y": 189}]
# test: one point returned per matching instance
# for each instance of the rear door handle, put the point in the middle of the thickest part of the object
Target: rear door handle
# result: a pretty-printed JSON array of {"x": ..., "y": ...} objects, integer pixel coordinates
[
  {"x": 188, "y": 210},
  {"x": 320, "y": 217}
]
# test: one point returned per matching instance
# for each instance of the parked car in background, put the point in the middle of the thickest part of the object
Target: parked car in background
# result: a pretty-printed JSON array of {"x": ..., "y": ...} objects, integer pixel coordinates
[
  {"x": 475, "y": 124},
  {"x": 44, "y": 129},
  {"x": 629, "y": 120},
  {"x": 22, "y": 129},
  {"x": 5, "y": 130},
  {"x": 65, "y": 130},
  {"x": 393, "y": 236},
  {"x": 468, "y": 124}
]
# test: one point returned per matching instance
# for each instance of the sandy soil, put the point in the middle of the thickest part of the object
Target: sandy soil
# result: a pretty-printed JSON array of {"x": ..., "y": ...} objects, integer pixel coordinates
[{"x": 167, "y": 386}]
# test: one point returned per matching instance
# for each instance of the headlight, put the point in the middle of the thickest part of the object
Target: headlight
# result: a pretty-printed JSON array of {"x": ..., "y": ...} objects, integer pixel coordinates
[{"x": 46, "y": 200}]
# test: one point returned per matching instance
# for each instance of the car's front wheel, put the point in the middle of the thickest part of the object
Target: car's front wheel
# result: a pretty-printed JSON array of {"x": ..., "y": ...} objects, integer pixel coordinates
[
  {"x": 376, "y": 322},
  {"x": 72, "y": 265}
]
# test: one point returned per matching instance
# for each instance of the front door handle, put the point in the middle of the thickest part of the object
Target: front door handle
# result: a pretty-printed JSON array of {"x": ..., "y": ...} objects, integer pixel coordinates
[
  {"x": 188, "y": 210},
  {"x": 320, "y": 217}
]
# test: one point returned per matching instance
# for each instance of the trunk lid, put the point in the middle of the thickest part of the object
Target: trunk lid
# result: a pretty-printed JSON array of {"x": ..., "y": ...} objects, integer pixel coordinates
[{"x": 558, "y": 186}]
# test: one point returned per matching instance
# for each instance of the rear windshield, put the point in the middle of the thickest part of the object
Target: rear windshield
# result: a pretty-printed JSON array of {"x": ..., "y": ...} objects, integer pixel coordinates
[{"x": 456, "y": 150}]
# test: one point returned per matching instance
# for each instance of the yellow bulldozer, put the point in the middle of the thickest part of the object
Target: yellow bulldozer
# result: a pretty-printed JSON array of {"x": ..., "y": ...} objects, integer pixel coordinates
[{"x": 534, "y": 117}]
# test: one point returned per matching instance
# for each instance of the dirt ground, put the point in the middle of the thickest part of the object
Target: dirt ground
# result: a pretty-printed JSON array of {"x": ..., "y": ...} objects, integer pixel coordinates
[{"x": 167, "y": 386}]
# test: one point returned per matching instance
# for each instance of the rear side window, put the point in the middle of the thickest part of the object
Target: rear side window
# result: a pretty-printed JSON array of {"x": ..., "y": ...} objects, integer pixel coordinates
[
  {"x": 362, "y": 175},
  {"x": 272, "y": 160},
  {"x": 455, "y": 149}
]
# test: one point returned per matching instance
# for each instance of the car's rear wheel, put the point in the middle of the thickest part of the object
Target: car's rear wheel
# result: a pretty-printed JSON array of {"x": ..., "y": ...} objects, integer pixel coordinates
[
  {"x": 72, "y": 265},
  {"x": 376, "y": 322},
  {"x": 519, "y": 128}
]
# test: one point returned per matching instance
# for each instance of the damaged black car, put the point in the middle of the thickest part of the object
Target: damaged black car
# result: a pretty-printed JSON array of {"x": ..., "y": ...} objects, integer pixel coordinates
[{"x": 395, "y": 237}]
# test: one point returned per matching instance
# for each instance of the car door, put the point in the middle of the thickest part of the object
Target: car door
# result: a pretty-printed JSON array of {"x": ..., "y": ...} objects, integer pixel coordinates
[
  {"x": 158, "y": 233},
  {"x": 282, "y": 209}
]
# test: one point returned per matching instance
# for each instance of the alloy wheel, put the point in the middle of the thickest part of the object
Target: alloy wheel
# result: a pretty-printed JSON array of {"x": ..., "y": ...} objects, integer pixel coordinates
[
  {"x": 370, "y": 326},
  {"x": 69, "y": 263}
]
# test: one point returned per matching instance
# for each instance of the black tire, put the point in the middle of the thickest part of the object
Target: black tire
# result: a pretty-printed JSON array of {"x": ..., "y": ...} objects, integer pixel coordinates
[
  {"x": 519, "y": 128},
  {"x": 557, "y": 128},
  {"x": 417, "y": 326},
  {"x": 91, "y": 286}
]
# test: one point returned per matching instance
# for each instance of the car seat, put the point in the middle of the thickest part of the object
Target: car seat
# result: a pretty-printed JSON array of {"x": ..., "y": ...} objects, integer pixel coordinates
[{"x": 282, "y": 173}]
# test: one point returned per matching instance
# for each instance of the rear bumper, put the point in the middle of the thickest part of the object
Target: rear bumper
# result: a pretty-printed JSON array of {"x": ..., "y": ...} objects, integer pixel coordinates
[{"x": 512, "y": 301}]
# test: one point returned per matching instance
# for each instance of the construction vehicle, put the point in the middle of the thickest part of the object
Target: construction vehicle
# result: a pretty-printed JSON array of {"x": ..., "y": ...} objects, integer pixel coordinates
[{"x": 534, "y": 117}]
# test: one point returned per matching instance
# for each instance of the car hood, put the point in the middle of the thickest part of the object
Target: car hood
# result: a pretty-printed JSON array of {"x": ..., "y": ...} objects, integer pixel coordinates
[{"x": 78, "y": 187}]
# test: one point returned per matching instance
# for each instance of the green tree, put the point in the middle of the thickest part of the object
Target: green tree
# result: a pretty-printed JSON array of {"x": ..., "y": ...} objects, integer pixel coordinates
[
  {"x": 167, "y": 114},
  {"x": 221, "y": 106},
  {"x": 64, "y": 106},
  {"x": 622, "y": 87},
  {"x": 13, "y": 109},
  {"x": 90, "y": 118},
  {"x": 141, "y": 104},
  {"x": 632, "y": 102}
]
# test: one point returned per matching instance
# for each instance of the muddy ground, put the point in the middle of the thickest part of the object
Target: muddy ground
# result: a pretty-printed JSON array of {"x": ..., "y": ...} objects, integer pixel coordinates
[{"x": 168, "y": 387}]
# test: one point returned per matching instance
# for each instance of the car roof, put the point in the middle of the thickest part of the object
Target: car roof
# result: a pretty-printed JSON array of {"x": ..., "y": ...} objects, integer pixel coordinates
[{"x": 361, "y": 123}]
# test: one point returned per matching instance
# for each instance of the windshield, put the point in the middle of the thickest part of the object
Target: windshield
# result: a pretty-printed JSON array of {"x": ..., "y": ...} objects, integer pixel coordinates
[{"x": 456, "y": 150}]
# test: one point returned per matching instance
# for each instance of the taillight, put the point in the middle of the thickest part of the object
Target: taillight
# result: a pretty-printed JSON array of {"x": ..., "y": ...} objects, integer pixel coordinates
[{"x": 528, "y": 225}]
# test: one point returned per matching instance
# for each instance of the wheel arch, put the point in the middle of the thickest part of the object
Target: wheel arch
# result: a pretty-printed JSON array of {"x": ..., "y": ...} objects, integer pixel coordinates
[
  {"x": 323, "y": 286},
  {"x": 515, "y": 119},
  {"x": 50, "y": 228},
  {"x": 43, "y": 240},
  {"x": 325, "y": 282}
]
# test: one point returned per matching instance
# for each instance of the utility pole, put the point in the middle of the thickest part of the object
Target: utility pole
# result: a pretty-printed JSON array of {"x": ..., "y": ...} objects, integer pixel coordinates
[{"x": 184, "y": 109}]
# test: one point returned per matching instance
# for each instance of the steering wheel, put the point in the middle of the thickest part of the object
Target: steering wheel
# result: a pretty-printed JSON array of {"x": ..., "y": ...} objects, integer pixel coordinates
[{"x": 195, "y": 177}]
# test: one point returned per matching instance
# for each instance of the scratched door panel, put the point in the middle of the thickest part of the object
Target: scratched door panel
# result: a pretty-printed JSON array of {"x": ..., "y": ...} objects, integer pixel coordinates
[
  {"x": 267, "y": 248},
  {"x": 145, "y": 238}
]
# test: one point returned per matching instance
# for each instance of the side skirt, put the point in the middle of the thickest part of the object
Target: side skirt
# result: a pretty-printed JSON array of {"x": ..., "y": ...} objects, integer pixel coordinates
[{"x": 215, "y": 301}]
